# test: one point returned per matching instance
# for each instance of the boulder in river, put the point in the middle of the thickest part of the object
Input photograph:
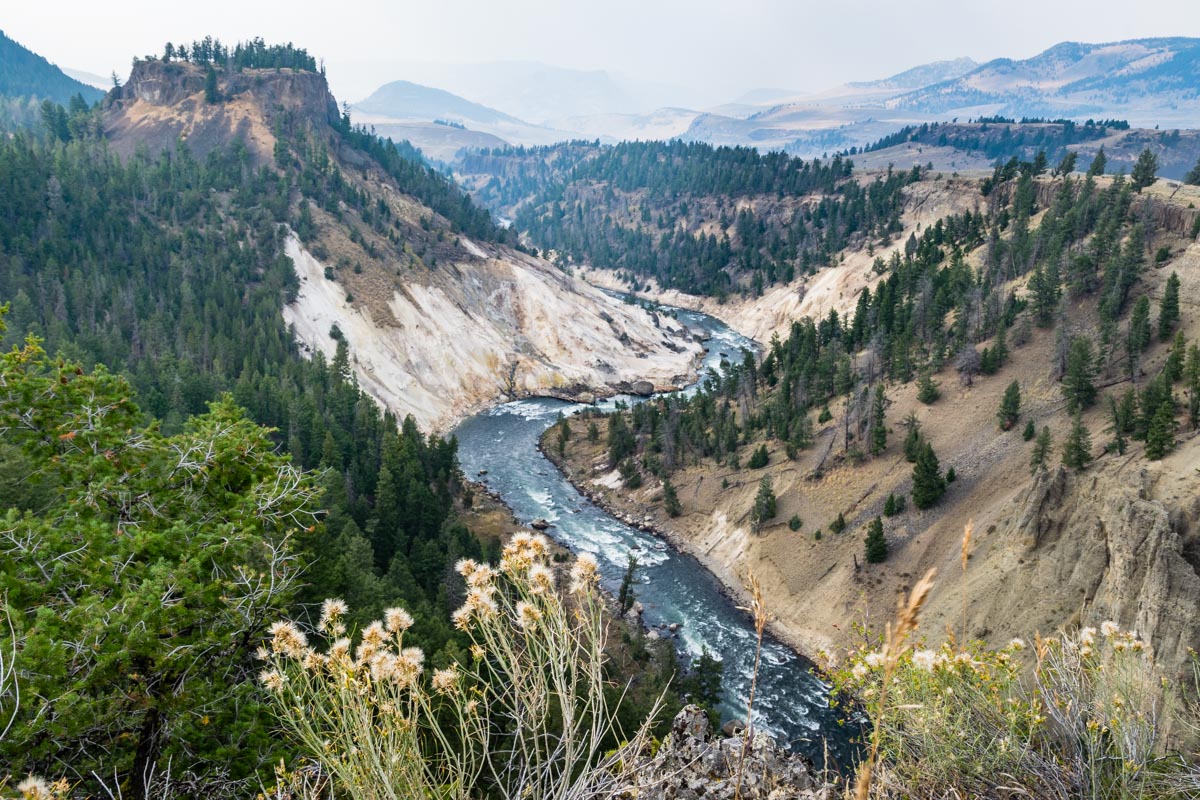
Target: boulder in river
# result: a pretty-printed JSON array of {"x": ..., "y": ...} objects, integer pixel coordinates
[
  {"x": 540, "y": 524},
  {"x": 643, "y": 388}
]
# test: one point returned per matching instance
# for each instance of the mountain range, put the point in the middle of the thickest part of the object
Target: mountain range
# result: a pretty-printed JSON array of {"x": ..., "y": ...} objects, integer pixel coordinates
[{"x": 1149, "y": 82}]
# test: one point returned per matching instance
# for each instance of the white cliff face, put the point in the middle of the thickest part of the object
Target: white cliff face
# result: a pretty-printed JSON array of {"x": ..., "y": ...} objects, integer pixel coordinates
[{"x": 452, "y": 345}]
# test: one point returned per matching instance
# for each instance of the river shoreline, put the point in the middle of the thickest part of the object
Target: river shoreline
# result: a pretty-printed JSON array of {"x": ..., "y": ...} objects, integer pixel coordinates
[{"x": 730, "y": 586}]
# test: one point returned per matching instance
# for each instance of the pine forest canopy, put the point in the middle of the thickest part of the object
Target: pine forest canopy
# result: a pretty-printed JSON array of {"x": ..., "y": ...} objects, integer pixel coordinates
[{"x": 254, "y": 54}]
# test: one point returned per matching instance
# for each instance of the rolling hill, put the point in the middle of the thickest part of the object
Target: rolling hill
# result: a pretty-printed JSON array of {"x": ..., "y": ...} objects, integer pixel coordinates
[{"x": 24, "y": 73}]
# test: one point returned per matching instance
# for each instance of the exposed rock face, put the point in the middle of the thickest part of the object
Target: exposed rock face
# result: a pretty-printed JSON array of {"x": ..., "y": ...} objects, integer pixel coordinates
[
  {"x": 494, "y": 326},
  {"x": 162, "y": 102},
  {"x": 693, "y": 763},
  {"x": 1126, "y": 554}
]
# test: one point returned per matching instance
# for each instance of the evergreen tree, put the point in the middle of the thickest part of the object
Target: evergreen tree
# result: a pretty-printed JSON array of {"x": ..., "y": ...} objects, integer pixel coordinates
[
  {"x": 1173, "y": 368},
  {"x": 764, "y": 503},
  {"x": 1041, "y": 451},
  {"x": 759, "y": 458},
  {"x": 1044, "y": 285},
  {"x": 593, "y": 433},
  {"x": 1067, "y": 165},
  {"x": 564, "y": 434},
  {"x": 1077, "y": 386},
  {"x": 878, "y": 432},
  {"x": 212, "y": 94},
  {"x": 1145, "y": 170},
  {"x": 671, "y": 499},
  {"x": 1000, "y": 346},
  {"x": 626, "y": 595},
  {"x": 702, "y": 684},
  {"x": 876, "y": 543},
  {"x": 912, "y": 439},
  {"x": 1138, "y": 337},
  {"x": 1193, "y": 176},
  {"x": 1077, "y": 447},
  {"x": 1168, "y": 308},
  {"x": 928, "y": 390},
  {"x": 839, "y": 524},
  {"x": 1160, "y": 438},
  {"x": 889, "y": 505},
  {"x": 1098, "y": 165},
  {"x": 1010, "y": 406},
  {"x": 928, "y": 483},
  {"x": 621, "y": 441},
  {"x": 1029, "y": 432}
]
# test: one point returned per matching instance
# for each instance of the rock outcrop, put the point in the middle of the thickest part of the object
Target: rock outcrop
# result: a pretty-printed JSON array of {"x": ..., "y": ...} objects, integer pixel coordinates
[
  {"x": 1125, "y": 547},
  {"x": 163, "y": 102},
  {"x": 694, "y": 763}
]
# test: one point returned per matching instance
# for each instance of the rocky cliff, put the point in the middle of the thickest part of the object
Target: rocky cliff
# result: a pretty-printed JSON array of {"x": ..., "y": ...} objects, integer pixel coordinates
[{"x": 163, "y": 102}]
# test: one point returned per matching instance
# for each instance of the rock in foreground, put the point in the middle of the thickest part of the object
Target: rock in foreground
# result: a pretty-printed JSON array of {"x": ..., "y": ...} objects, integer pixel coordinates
[{"x": 694, "y": 763}]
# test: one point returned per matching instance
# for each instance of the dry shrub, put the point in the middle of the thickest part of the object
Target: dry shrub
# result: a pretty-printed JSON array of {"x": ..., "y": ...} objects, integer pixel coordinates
[{"x": 527, "y": 718}]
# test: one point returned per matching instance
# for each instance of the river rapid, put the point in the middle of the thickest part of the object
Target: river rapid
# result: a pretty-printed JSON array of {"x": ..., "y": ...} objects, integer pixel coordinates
[{"x": 498, "y": 447}]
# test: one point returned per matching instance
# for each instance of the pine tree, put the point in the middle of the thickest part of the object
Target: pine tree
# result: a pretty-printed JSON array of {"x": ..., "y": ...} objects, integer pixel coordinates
[
  {"x": 878, "y": 433},
  {"x": 1173, "y": 368},
  {"x": 1041, "y": 451},
  {"x": 593, "y": 433},
  {"x": 876, "y": 543},
  {"x": 1145, "y": 170},
  {"x": 1067, "y": 165},
  {"x": 1077, "y": 386},
  {"x": 928, "y": 483},
  {"x": 1044, "y": 286},
  {"x": 1077, "y": 447},
  {"x": 927, "y": 389},
  {"x": 1010, "y": 406},
  {"x": 889, "y": 505},
  {"x": 759, "y": 458},
  {"x": 1029, "y": 432},
  {"x": 839, "y": 524},
  {"x": 212, "y": 94},
  {"x": 912, "y": 439},
  {"x": 1098, "y": 165},
  {"x": 671, "y": 499},
  {"x": 1168, "y": 308},
  {"x": 1193, "y": 176},
  {"x": 626, "y": 596},
  {"x": 1000, "y": 346},
  {"x": 1160, "y": 438},
  {"x": 764, "y": 503},
  {"x": 1138, "y": 337}
]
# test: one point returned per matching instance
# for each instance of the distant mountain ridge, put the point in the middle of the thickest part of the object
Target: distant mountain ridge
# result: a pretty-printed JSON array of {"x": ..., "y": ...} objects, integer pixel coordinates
[
  {"x": 24, "y": 73},
  {"x": 408, "y": 100},
  {"x": 1148, "y": 81},
  {"x": 922, "y": 75}
]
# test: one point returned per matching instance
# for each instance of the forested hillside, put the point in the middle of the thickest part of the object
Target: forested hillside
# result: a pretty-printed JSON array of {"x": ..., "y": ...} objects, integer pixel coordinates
[
  {"x": 933, "y": 309},
  {"x": 169, "y": 271},
  {"x": 703, "y": 220},
  {"x": 26, "y": 74}
]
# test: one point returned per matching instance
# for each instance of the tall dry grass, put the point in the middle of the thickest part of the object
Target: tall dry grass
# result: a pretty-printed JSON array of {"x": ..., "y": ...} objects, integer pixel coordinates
[
  {"x": 527, "y": 719},
  {"x": 1088, "y": 717}
]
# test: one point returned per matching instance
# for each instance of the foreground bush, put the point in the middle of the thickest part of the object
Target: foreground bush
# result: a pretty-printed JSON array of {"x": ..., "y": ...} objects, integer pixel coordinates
[
  {"x": 1090, "y": 720},
  {"x": 526, "y": 718}
]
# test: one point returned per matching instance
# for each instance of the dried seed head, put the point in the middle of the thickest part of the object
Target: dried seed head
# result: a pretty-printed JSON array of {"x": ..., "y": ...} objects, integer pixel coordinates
[{"x": 397, "y": 620}]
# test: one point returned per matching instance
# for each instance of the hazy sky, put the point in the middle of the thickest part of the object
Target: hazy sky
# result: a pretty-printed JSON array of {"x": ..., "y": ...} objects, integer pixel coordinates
[{"x": 718, "y": 47}]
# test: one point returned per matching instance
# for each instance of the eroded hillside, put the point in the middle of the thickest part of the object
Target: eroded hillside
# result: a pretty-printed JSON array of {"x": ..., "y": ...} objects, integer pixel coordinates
[
  {"x": 441, "y": 316},
  {"x": 1062, "y": 546}
]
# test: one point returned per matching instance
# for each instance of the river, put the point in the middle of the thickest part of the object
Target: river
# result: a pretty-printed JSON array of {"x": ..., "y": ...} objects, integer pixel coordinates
[{"x": 790, "y": 702}]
